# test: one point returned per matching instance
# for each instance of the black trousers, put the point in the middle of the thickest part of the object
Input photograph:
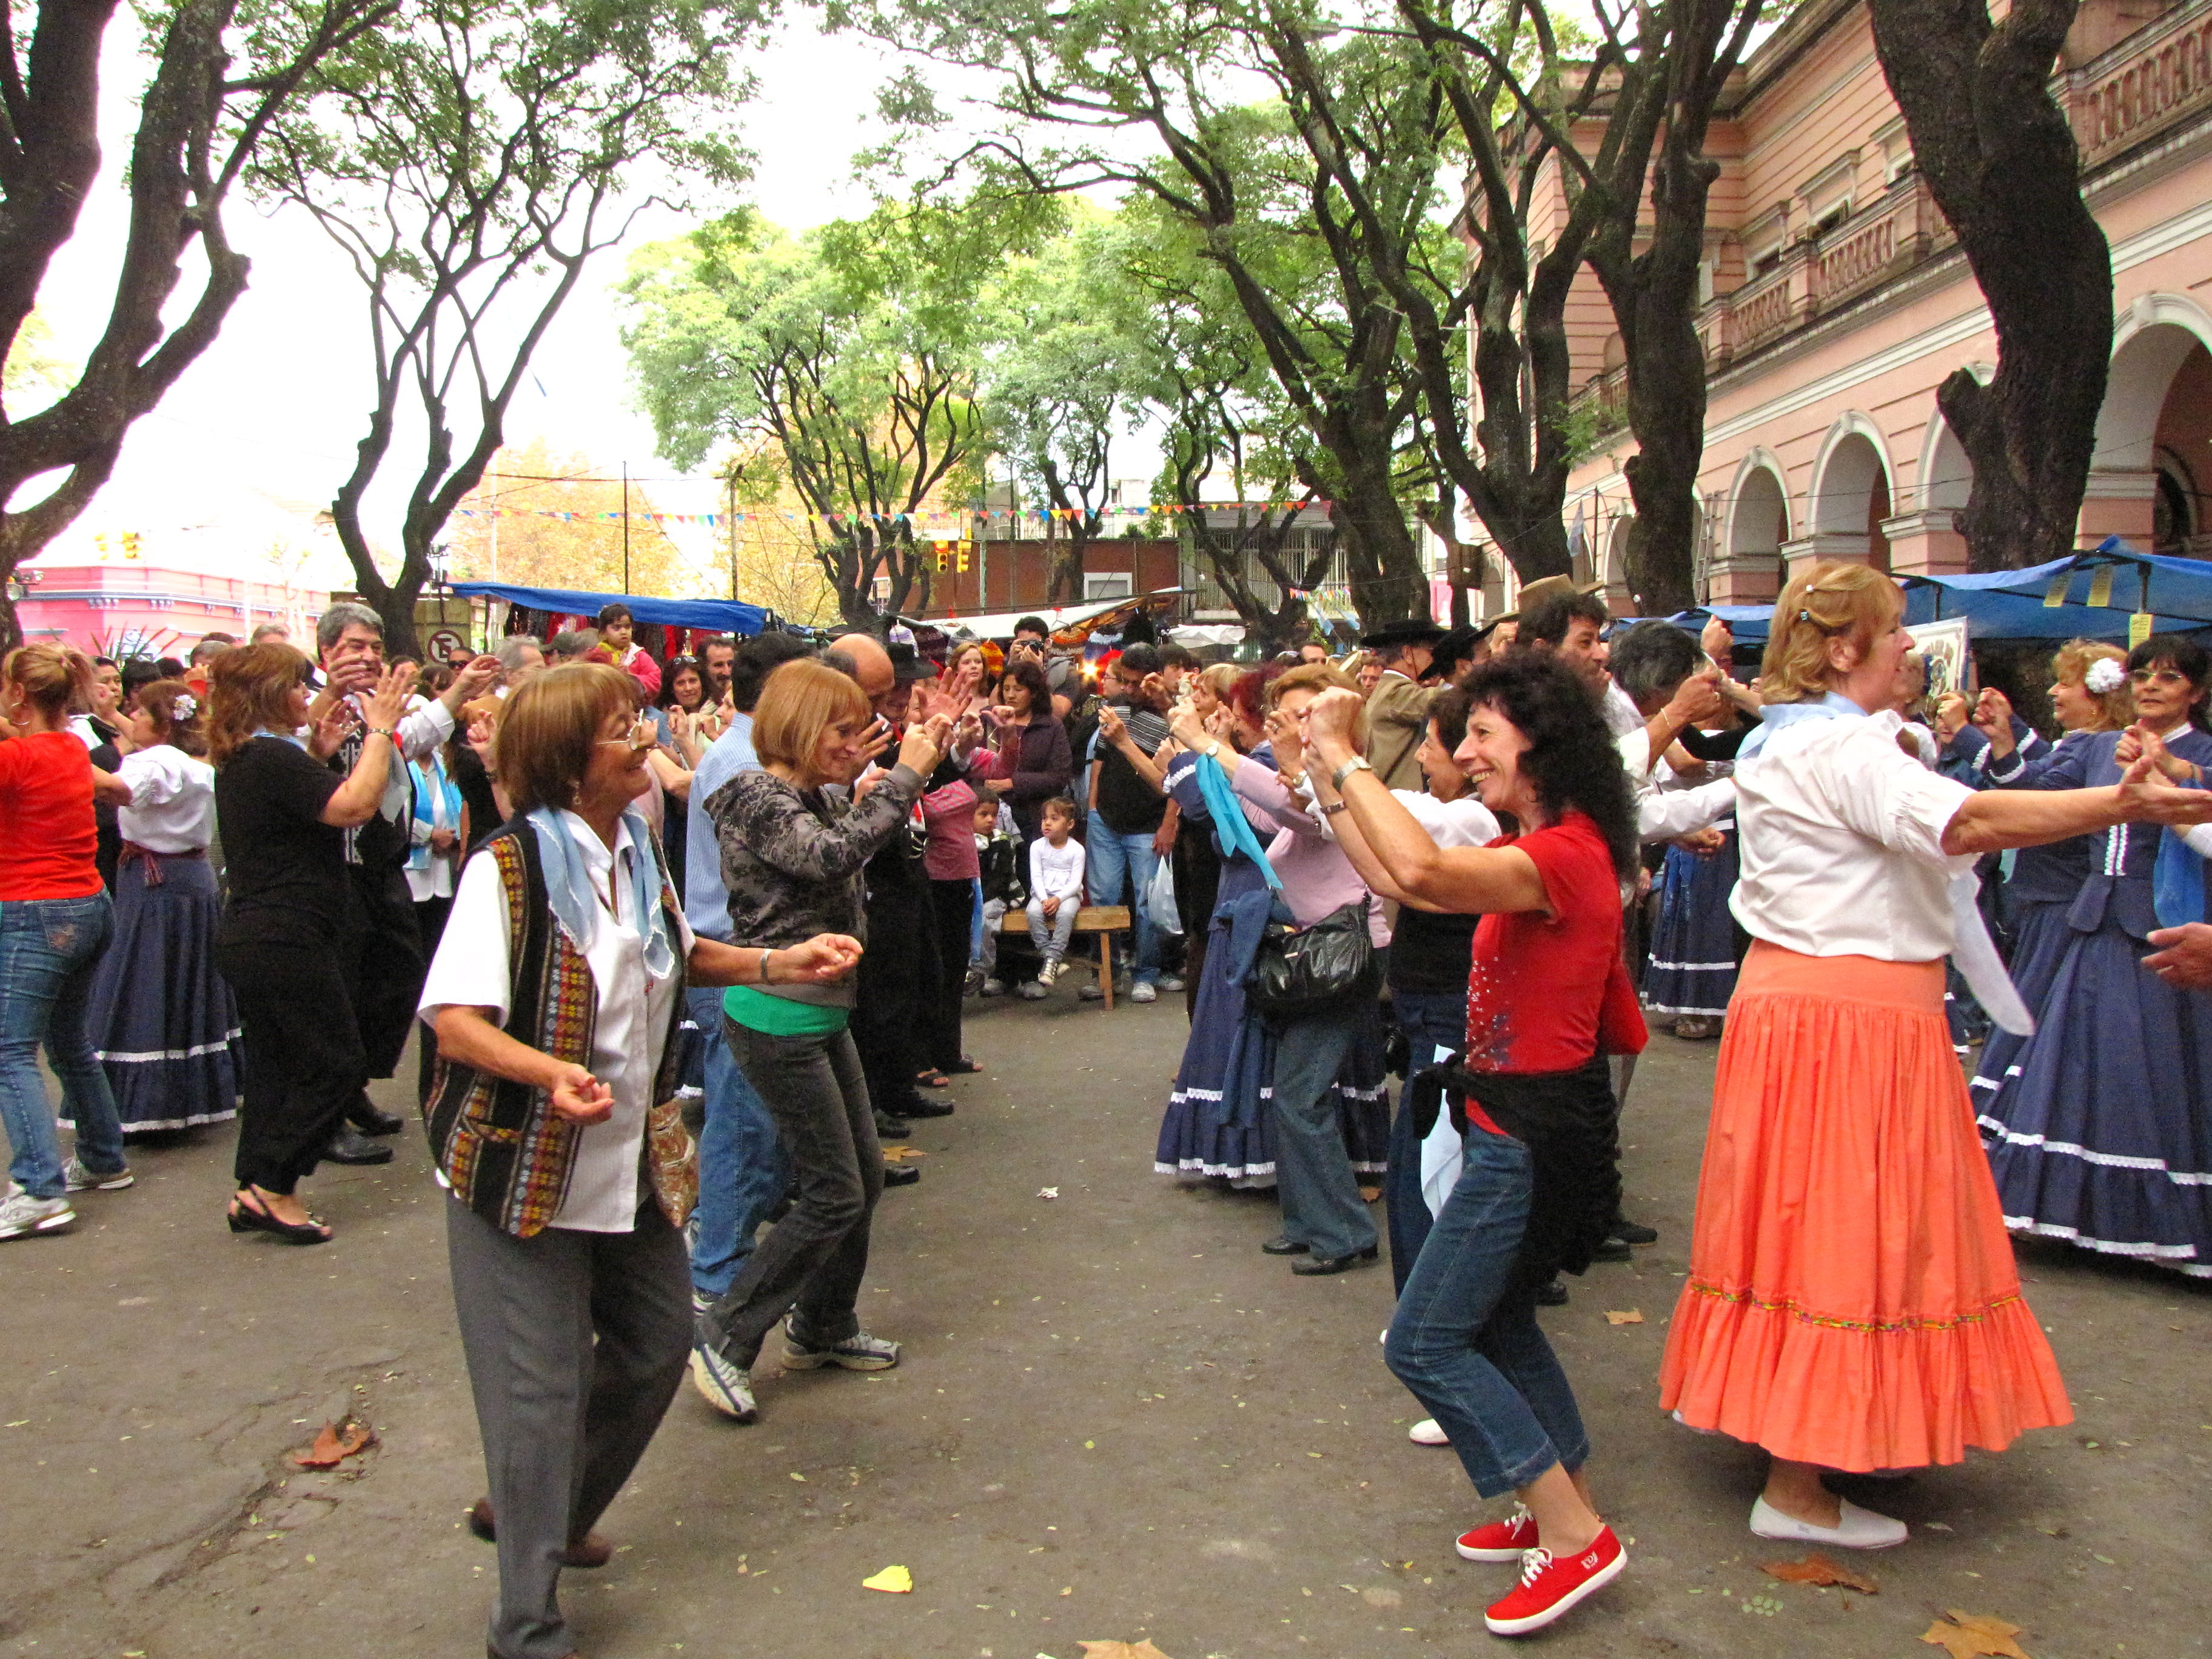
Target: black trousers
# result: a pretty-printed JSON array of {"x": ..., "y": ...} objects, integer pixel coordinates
[
  {"x": 896, "y": 976},
  {"x": 430, "y": 915},
  {"x": 952, "y": 908},
  {"x": 304, "y": 1063},
  {"x": 389, "y": 965}
]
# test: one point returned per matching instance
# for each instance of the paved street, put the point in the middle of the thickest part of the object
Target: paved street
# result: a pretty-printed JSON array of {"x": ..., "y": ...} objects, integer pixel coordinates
[{"x": 1116, "y": 1420}]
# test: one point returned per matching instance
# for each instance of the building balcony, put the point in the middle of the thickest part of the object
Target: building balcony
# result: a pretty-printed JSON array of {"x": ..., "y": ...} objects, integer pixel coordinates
[{"x": 2157, "y": 80}]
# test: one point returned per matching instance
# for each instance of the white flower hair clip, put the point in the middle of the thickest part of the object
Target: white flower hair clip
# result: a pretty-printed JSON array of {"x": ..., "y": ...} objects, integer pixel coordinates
[
  {"x": 184, "y": 707},
  {"x": 2105, "y": 675}
]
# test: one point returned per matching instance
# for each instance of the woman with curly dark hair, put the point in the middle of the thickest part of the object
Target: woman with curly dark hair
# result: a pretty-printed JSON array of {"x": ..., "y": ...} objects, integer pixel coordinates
[{"x": 1548, "y": 998}]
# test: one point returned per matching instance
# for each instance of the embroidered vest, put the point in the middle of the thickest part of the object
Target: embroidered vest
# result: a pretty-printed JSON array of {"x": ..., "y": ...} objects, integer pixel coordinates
[{"x": 498, "y": 1143}]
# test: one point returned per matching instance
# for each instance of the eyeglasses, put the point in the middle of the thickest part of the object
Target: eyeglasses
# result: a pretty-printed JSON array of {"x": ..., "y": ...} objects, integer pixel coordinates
[{"x": 641, "y": 735}]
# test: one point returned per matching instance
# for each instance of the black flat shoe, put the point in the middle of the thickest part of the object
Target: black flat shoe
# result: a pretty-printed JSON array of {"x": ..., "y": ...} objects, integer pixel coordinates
[
  {"x": 892, "y": 1128},
  {"x": 900, "y": 1175},
  {"x": 250, "y": 1218},
  {"x": 1283, "y": 1244},
  {"x": 371, "y": 1121},
  {"x": 1321, "y": 1265},
  {"x": 924, "y": 1108},
  {"x": 1553, "y": 1295},
  {"x": 1613, "y": 1249},
  {"x": 349, "y": 1145},
  {"x": 1632, "y": 1232}
]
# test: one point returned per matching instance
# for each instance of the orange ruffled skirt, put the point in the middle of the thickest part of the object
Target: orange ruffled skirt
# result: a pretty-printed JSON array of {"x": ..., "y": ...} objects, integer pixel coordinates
[{"x": 1852, "y": 1300}]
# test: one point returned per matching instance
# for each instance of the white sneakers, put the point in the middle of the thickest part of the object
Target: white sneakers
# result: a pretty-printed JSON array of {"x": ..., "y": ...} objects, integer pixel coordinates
[
  {"x": 1859, "y": 1529},
  {"x": 1143, "y": 991},
  {"x": 21, "y": 1215},
  {"x": 1426, "y": 1433}
]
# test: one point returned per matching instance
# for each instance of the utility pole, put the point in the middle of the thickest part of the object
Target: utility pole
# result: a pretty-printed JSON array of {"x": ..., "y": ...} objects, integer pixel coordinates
[
  {"x": 625, "y": 467},
  {"x": 730, "y": 520}
]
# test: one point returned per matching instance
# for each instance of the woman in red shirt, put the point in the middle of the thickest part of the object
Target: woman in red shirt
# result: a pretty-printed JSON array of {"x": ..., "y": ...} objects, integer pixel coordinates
[
  {"x": 54, "y": 922},
  {"x": 1547, "y": 997}
]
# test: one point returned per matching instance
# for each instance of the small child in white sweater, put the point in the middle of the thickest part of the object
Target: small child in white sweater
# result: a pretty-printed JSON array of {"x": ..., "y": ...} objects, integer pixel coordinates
[{"x": 1055, "y": 890}]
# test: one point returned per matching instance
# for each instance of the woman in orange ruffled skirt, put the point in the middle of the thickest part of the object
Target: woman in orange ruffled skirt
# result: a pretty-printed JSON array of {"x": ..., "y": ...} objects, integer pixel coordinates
[{"x": 1852, "y": 1301}]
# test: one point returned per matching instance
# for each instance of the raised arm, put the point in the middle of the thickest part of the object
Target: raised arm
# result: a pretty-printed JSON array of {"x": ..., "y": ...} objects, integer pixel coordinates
[{"x": 1992, "y": 819}]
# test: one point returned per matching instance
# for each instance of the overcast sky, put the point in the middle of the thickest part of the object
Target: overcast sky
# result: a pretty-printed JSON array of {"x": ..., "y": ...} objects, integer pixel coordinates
[{"x": 263, "y": 426}]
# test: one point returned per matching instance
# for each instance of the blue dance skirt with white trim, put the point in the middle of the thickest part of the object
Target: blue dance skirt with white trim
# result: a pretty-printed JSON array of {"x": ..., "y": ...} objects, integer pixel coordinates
[
  {"x": 1694, "y": 944},
  {"x": 161, "y": 1017},
  {"x": 2099, "y": 1127}
]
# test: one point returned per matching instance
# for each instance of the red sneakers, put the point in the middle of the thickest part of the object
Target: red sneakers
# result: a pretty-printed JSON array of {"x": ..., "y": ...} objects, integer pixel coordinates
[
  {"x": 1550, "y": 1585},
  {"x": 1501, "y": 1540}
]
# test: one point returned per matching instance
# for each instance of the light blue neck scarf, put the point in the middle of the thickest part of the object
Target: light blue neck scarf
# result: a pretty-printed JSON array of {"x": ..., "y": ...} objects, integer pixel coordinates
[
  {"x": 292, "y": 737},
  {"x": 576, "y": 907},
  {"x": 1971, "y": 947},
  {"x": 1228, "y": 819}
]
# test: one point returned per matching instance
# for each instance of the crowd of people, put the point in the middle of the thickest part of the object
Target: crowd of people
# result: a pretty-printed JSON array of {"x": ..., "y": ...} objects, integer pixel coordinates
[{"x": 625, "y": 906}]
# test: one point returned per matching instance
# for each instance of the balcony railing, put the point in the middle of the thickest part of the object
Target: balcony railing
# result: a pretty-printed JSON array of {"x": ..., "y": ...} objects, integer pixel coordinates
[{"x": 2156, "y": 78}]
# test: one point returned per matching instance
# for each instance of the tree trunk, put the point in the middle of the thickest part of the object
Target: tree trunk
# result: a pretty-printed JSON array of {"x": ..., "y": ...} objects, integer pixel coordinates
[
  {"x": 1065, "y": 586},
  {"x": 2002, "y": 164},
  {"x": 1383, "y": 561}
]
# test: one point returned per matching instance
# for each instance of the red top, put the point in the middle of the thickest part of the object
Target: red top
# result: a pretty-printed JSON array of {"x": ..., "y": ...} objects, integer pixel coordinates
[
  {"x": 45, "y": 801},
  {"x": 1542, "y": 985}
]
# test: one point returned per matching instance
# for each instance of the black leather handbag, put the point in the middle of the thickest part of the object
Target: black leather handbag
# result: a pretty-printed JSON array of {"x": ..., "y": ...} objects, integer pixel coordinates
[{"x": 1309, "y": 970}]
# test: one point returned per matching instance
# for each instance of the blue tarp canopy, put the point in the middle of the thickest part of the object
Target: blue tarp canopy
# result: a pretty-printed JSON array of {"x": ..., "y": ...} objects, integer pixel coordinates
[
  {"x": 721, "y": 616},
  {"x": 2088, "y": 595}
]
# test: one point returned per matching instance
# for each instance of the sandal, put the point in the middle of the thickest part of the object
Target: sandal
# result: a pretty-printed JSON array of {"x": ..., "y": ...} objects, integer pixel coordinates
[
  {"x": 251, "y": 1216},
  {"x": 932, "y": 1080},
  {"x": 964, "y": 1066}
]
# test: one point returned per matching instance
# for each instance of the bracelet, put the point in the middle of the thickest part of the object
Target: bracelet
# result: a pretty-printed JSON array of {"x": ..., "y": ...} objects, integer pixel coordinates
[
  {"x": 1356, "y": 764},
  {"x": 765, "y": 955},
  {"x": 1332, "y": 807},
  {"x": 379, "y": 730}
]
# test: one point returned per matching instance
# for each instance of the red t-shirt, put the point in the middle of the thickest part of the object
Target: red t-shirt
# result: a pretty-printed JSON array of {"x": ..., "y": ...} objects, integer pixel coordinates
[
  {"x": 45, "y": 803},
  {"x": 1539, "y": 982}
]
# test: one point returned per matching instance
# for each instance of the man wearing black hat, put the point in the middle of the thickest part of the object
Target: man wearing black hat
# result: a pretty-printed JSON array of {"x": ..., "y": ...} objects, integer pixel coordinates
[{"x": 1398, "y": 708}]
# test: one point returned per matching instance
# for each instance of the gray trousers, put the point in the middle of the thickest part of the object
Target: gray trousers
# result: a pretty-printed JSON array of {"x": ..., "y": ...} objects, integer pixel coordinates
[
  {"x": 575, "y": 1344},
  {"x": 1320, "y": 1195},
  {"x": 813, "y": 1261}
]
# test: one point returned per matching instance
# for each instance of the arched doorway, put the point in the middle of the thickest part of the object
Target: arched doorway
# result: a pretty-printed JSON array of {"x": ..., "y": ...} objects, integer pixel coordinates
[
  {"x": 1851, "y": 498},
  {"x": 2149, "y": 482},
  {"x": 1758, "y": 523},
  {"x": 1612, "y": 569}
]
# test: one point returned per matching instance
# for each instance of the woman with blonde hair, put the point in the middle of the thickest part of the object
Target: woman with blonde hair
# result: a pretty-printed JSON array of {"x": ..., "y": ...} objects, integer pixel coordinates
[
  {"x": 792, "y": 857},
  {"x": 55, "y": 921},
  {"x": 163, "y": 1017},
  {"x": 1852, "y": 1304},
  {"x": 2089, "y": 694},
  {"x": 557, "y": 992},
  {"x": 287, "y": 940}
]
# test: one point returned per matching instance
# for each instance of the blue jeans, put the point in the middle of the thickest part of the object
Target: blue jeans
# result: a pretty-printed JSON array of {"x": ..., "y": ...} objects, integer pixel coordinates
[
  {"x": 48, "y": 951},
  {"x": 742, "y": 1167},
  {"x": 1465, "y": 1338},
  {"x": 1431, "y": 1020},
  {"x": 1108, "y": 859},
  {"x": 1321, "y": 1207}
]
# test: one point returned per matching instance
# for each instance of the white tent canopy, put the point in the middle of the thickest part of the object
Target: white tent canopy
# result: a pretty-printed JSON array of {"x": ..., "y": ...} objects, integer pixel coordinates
[{"x": 1001, "y": 626}]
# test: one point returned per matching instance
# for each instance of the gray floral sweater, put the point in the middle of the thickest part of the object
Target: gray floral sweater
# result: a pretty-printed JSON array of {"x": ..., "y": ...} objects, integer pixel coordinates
[{"x": 791, "y": 860}]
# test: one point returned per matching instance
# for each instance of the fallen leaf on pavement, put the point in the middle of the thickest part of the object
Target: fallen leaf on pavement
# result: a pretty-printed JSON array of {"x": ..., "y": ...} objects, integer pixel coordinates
[
  {"x": 1047, "y": 1191},
  {"x": 1975, "y": 1636},
  {"x": 893, "y": 1581},
  {"x": 903, "y": 1154},
  {"x": 337, "y": 1443},
  {"x": 1817, "y": 1569},
  {"x": 1143, "y": 1650},
  {"x": 1633, "y": 1317}
]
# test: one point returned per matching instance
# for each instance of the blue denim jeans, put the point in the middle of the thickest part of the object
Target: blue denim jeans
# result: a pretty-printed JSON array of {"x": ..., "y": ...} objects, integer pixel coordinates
[
  {"x": 741, "y": 1167},
  {"x": 1108, "y": 859},
  {"x": 1320, "y": 1195},
  {"x": 1465, "y": 1338},
  {"x": 1431, "y": 1020},
  {"x": 48, "y": 951}
]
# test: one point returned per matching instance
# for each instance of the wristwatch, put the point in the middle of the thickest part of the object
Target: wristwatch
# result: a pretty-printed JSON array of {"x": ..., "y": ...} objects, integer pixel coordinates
[{"x": 1356, "y": 764}]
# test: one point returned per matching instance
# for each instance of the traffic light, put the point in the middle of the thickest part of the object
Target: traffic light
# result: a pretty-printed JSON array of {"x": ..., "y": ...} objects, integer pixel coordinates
[
  {"x": 943, "y": 557},
  {"x": 966, "y": 548}
]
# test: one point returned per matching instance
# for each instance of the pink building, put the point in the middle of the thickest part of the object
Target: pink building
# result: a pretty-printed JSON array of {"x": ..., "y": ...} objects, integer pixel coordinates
[
  {"x": 1839, "y": 302},
  {"x": 126, "y": 607}
]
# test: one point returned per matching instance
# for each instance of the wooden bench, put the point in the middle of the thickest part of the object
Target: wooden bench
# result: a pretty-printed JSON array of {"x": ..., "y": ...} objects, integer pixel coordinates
[{"x": 1103, "y": 920}]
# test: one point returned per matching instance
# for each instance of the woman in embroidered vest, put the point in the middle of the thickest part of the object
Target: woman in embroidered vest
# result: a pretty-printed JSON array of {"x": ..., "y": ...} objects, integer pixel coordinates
[
  {"x": 792, "y": 857},
  {"x": 283, "y": 815},
  {"x": 556, "y": 992},
  {"x": 1852, "y": 1303}
]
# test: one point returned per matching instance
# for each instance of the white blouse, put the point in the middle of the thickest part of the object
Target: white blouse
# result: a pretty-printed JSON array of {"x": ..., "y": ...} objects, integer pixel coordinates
[
  {"x": 171, "y": 799},
  {"x": 1665, "y": 807},
  {"x": 1840, "y": 836},
  {"x": 471, "y": 971}
]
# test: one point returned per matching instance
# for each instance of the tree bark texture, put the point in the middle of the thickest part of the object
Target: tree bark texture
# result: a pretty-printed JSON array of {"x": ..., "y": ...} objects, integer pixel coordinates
[{"x": 2002, "y": 166}]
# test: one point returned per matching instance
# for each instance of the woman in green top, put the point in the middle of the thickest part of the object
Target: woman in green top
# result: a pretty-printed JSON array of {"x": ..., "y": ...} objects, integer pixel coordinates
[{"x": 793, "y": 848}]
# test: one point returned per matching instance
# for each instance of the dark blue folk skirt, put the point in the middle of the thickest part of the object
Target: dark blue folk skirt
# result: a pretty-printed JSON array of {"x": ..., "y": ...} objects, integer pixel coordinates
[{"x": 161, "y": 1017}]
